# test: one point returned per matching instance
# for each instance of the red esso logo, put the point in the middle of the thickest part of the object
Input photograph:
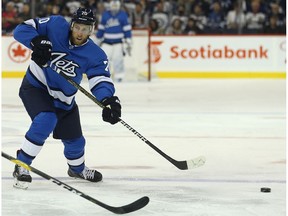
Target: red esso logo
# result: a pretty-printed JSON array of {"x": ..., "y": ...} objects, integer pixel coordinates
[
  {"x": 18, "y": 53},
  {"x": 155, "y": 52}
]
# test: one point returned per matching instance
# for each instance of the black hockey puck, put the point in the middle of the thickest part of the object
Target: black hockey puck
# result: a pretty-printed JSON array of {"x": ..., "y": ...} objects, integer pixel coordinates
[{"x": 266, "y": 190}]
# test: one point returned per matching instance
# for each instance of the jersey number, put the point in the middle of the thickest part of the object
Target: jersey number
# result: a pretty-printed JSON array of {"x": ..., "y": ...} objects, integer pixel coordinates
[{"x": 107, "y": 65}]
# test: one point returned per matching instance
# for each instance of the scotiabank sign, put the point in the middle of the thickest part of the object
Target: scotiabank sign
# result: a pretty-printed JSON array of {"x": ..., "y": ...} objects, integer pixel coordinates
[
  {"x": 219, "y": 54},
  {"x": 184, "y": 56},
  {"x": 225, "y": 52}
]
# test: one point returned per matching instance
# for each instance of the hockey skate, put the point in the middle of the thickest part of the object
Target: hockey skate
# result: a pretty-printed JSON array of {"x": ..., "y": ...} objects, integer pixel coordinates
[
  {"x": 87, "y": 174},
  {"x": 22, "y": 177}
]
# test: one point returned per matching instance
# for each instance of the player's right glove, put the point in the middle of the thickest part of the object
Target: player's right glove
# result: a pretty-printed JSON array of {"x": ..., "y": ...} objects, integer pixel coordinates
[
  {"x": 112, "y": 111},
  {"x": 42, "y": 48}
]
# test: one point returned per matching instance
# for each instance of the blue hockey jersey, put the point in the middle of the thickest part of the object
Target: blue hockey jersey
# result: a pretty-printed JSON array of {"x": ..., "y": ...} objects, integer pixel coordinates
[
  {"x": 113, "y": 28},
  {"x": 70, "y": 59}
]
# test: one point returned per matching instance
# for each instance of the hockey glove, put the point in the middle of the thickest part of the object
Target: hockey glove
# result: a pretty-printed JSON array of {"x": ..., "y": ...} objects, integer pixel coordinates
[
  {"x": 42, "y": 48},
  {"x": 129, "y": 49},
  {"x": 112, "y": 111}
]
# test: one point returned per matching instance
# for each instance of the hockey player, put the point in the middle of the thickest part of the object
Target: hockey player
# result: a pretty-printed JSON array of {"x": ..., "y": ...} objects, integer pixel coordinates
[
  {"x": 50, "y": 100},
  {"x": 114, "y": 33}
]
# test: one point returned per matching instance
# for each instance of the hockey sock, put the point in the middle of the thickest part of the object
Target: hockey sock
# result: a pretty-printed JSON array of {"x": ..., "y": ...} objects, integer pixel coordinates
[
  {"x": 74, "y": 153},
  {"x": 41, "y": 127}
]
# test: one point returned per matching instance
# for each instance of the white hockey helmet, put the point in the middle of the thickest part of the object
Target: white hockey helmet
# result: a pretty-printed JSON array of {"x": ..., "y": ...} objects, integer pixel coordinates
[{"x": 114, "y": 6}]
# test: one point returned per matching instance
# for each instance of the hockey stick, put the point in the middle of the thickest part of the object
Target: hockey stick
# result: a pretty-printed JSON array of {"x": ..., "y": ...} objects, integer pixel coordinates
[
  {"x": 183, "y": 165},
  {"x": 138, "y": 204}
]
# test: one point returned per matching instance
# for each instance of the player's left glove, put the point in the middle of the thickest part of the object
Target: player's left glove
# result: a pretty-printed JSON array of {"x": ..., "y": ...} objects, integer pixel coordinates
[
  {"x": 127, "y": 46},
  {"x": 129, "y": 49},
  {"x": 112, "y": 111}
]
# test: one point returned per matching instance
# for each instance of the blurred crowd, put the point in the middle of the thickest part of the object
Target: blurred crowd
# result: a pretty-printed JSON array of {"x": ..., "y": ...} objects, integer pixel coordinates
[{"x": 174, "y": 17}]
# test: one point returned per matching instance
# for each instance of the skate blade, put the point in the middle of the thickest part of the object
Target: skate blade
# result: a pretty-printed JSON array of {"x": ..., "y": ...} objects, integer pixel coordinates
[{"x": 21, "y": 185}]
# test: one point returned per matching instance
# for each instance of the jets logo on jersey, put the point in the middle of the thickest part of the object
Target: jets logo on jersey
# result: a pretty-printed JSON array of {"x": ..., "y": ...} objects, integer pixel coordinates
[
  {"x": 60, "y": 64},
  {"x": 112, "y": 22}
]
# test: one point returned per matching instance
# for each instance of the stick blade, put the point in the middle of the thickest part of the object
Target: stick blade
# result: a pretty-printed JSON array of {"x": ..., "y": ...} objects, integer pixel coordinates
[
  {"x": 138, "y": 204},
  {"x": 189, "y": 164},
  {"x": 196, "y": 162}
]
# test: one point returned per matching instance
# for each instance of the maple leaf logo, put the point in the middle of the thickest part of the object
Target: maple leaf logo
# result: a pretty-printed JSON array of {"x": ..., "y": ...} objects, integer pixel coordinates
[{"x": 18, "y": 53}]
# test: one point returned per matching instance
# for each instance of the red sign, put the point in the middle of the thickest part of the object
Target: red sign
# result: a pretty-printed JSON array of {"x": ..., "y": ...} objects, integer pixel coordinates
[
  {"x": 155, "y": 52},
  {"x": 18, "y": 53}
]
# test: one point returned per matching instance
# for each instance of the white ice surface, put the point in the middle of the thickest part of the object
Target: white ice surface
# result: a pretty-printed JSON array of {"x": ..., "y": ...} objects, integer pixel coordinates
[{"x": 238, "y": 125}]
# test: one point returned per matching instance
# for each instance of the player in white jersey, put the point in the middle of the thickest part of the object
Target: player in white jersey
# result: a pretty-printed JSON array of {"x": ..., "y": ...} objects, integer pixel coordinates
[
  {"x": 60, "y": 47},
  {"x": 114, "y": 36}
]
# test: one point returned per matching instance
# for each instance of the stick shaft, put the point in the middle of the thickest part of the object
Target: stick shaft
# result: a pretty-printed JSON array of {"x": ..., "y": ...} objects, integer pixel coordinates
[
  {"x": 140, "y": 203},
  {"x": 179, "y": 164}
]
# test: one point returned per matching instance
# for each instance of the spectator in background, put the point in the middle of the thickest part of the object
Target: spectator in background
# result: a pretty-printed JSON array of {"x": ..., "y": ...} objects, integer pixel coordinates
[
  {"x": 25, "y": 14},
  {"x": 263, "y": 5},
  {"x": 188, "y": 5},
  {"x": 58, "y": 6},
  {"x": 180, "y": 14},
  {"x": 199, "y": 17},
  {"x": 226, "y": 5},
  {"x": 154, "y": 27},
  {"x": 100, "y": 11},
  {"x": 255, "y": 19},
  {"x": 9, "y": 18},
  {"x": 176, "y": 28},
  {"x": 276, "y": 10},
  {"x": 130, "y": 4},
  {"x": 235, "y": 19},
  {"x": 52, "y": 9},
  {"x": 204, "y": 4},
  {"x": 164, "y": 11},
  {"x": 128, "y": 11},
  {"x": 73, "y": 5},
  {"x": 40, "y": 9},
  {"x": 150, "y": 6},
  {"x": 65, "y": 13},
  {"x": 144, "y": 5},
  {"x": 92, "y": 4},
  {"x": 48, "y": 9},
  {"x": 273, "y": 28},
  {"x": 215, "y": 23},
  {"x": 282, "y": 4},
  {"x": 191, "y": 28},
  {"x": 161, "y": 16},
  {"x": 18, "y": 5},
  {"x": 140, "y": 19}
]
